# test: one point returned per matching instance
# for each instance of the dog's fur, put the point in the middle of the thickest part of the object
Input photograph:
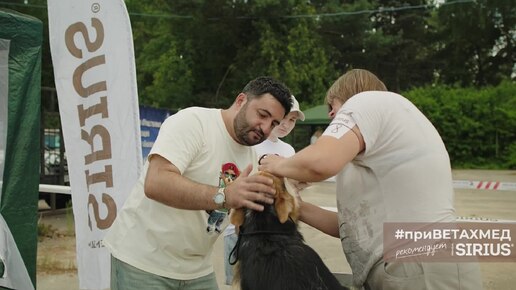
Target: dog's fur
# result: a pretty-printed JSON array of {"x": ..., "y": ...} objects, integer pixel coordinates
[{"x": 271, "y": 252}]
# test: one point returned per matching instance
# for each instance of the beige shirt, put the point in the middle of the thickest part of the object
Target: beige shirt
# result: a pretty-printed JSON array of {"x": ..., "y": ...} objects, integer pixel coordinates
[
  {"x": 403, "y": 175},
  {"x": 172, "y": 242}
]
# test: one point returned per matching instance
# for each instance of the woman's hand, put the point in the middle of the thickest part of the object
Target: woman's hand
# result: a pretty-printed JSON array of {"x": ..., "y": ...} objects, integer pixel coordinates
[
  {"x": 300, "y": 185},
  {"x": 268, "y": 162}
]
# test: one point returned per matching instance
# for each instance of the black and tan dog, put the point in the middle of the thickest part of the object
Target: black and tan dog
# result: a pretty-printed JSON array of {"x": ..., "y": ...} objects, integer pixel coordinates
[{"x": 271, "y": 252}]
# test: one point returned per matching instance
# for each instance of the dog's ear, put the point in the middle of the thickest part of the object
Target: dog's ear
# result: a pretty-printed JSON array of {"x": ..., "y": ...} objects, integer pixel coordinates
[
  {"x": 236, "y": 217},
  {"x": 291, "y": 191},
  {"x": 284, "y": 203}
]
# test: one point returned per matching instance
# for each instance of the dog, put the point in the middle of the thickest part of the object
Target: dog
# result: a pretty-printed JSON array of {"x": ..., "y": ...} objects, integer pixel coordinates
[{"x": 271, "y": 252}]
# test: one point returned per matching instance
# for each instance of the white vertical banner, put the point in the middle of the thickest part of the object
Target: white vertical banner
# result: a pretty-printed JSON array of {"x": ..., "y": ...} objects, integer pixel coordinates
[{"x": 93, "y": 57}]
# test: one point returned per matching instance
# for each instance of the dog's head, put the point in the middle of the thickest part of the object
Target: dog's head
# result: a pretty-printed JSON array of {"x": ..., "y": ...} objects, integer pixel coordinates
[{"x": 285, "y": 203}]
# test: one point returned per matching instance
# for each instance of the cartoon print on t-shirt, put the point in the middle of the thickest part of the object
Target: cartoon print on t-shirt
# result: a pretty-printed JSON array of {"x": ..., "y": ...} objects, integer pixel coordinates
[{"x": 227, "y": 175}]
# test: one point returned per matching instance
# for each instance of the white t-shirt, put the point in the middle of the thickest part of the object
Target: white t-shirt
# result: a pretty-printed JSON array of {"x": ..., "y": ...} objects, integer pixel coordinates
[
  {"x": 403, "y": 175},
  {"x": 274, "y": 147},
  {"x": 172, "y": 242},
  {"x": 267, "y": 147}
]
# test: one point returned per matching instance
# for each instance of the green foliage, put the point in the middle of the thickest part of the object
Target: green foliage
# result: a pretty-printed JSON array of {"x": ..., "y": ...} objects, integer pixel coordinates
[
  {"x": 477, "y": 126},
  {"x": 207, "y": 59},
  {"x": 306, "y": 67},
  {"x": 160, "y": 58},
  {"x": 400, "y": 42},
  {"x": 46, "y": 231},
  {"x": 203, "y": 52},
  {"x": 476, "y": 42},
  {"x": 161, "y": 61},
  {"x": 511, "y": 160},
  {"x": 452, "y": 58}
]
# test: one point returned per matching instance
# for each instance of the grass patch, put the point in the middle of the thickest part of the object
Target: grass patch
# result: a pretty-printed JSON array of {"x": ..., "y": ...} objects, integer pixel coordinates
[
  {"x": 53, "y": 266},
  {"x": 46, "y": 231}
]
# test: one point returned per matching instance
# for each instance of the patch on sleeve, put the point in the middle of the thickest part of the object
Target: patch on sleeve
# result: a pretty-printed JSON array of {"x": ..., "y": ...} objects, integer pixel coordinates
[{"x": 340, "y": 125}]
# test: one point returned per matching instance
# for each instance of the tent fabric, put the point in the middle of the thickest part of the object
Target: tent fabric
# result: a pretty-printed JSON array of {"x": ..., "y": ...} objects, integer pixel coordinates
[
  {"x": 19, "y": 200},
  {"x": 4, "y": 77},
  {"x": 13, "y": 273},
  {"x": 317, "y": 115}
]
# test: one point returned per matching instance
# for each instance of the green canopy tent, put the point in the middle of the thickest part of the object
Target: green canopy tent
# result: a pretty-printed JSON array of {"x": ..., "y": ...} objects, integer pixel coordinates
[
  {"x": 21, "y": 39},
  {"x": 314, "y": 117},
  {"x": 317, "y": 116}
]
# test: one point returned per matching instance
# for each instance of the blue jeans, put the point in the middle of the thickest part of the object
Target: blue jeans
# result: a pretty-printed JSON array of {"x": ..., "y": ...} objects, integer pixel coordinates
[
  {"x": 127, "y": 277},
  {"x": 229, "y": 244}
]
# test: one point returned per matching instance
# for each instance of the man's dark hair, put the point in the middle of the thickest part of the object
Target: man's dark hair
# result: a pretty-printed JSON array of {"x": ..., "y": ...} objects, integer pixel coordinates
[{"x": 264, "y": 85}]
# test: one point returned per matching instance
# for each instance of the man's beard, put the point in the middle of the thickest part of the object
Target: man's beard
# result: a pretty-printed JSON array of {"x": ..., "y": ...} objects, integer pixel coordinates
[{"x": 242, "y": 129}]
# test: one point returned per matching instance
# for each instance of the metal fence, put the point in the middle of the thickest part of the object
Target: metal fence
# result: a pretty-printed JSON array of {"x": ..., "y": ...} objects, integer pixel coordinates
[{"x": 53, "y": 165}]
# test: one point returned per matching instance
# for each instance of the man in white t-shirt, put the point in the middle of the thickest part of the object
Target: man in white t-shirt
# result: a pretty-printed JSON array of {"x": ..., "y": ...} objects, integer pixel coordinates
[
  {"x": 391, "y": 166},
  {"x": 163, "y": 236},
  {"x": 272, "y": 145}
]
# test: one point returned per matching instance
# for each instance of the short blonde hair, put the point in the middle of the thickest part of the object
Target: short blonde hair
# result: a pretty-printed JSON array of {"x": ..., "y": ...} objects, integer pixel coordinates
[{"x": 353, "y": 82}]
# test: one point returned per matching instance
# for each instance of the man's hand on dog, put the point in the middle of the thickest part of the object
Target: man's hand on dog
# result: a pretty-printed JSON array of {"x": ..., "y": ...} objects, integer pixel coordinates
[{"x": 249, "y": 191}]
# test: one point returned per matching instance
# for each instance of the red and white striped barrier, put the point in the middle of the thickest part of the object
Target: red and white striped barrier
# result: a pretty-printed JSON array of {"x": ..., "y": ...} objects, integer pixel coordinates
[
  {"x": 471, "y": 184},
  {"x": 459, "y": 218},
  {"x": 487, "y": 185},
  {"x": 477, "y": 219}
]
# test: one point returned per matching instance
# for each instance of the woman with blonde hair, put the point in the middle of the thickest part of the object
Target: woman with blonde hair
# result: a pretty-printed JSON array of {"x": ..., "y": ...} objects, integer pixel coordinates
[{"x": 392, "y": 167}]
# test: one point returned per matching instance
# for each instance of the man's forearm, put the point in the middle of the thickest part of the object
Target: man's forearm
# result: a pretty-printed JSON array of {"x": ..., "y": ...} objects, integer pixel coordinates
[
  {"x": 165, "y": 184},
  {"x": 181, "y": 192}
]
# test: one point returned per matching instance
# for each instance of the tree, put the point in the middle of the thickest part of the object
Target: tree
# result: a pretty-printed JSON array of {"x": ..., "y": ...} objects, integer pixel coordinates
[
  {"x": 477, "y": 42},
  {"x": 290, "y": 49},
  {"x": 163, "y": 61},
  {"x": 347, "y": 34},
  {"x": 399, "y": 43}
]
